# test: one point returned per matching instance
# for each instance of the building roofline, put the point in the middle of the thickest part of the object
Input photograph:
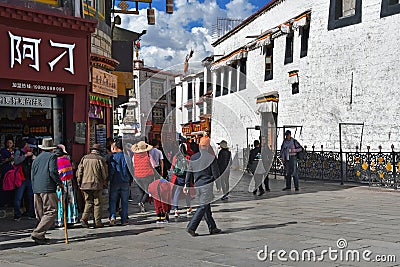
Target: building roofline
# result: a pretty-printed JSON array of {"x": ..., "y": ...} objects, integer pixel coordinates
[{"x": 245, "y": 22}]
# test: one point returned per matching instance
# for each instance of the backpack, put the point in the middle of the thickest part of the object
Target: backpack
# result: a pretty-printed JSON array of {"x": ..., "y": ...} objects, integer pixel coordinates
[
  {"x": 13, "y": 178},
  {"x": 302, "y": 154},
  {"x": 180, "y": 167}
]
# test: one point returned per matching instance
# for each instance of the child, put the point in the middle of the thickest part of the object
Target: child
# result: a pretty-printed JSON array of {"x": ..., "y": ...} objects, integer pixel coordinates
[{"x": 160, "y": 190}]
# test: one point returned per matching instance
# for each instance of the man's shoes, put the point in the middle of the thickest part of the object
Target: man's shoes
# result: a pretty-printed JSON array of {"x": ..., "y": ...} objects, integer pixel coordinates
[
  {"x": 112, "y": 221},
  {"x": 296, "y": 189},
  {"x": 99, "y": 225},
  {"x": 255, "y": 192},
  {"x": 215, "y": 231},
  {"x": 192, "y": 232},
  {"x": 141, "y": 206},
  {"x": 261, "y": 192},
  {"x": 17, "y": 218},
  {"x": 189, "y": 211},
  {"x": 268, "y": 190},
  {"x": 84, "y": 223},
  {"x": 225, "y": 197},
  {"x": 176, "y": 213},
  {"x": 39, "y": 241},
  {"x": 286, "y": 188}
]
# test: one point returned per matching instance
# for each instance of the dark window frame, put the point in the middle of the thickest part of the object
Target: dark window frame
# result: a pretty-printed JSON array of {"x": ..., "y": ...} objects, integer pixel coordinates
[
  {"x": 242, "y": 74},
  {"x": 388, "y": 9},
  {"x": 295, "y": 88},
  {"x": 234, "y": 85},
  {"x": 218, "y": 89},
  {"x": 336, "y": 23},
  {"x": 269, "y": 52},
  {"x": 225, "y": 89},
  {"x": 190, "y": 90},
  {"x": 305, "y": 35},
  {"x": 289, "y": 48}
]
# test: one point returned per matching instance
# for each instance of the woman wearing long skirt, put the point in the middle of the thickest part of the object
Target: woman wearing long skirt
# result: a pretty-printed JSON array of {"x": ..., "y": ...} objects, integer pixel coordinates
[{"x": 66, "y": 175}]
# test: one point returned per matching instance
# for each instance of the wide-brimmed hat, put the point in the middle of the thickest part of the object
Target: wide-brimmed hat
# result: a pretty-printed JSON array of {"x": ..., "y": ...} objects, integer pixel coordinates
[
  {"x": 47, "y": 144},
  {"x": 141, "y": 147},
  {"x": 62, "y": 147},
  {"x": 223, "y": 144},
  {"x": 96, "y": 147}
]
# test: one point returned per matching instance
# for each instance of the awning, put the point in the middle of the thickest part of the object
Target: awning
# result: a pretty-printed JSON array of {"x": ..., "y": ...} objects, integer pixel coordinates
[
  {"x": 268, "y": 102},
  {"x": 300, "y": 21},
  {"x": 100, "y": 101},
  {"x": 228, "y": 60},
  {"x": 285, "y": 27}
]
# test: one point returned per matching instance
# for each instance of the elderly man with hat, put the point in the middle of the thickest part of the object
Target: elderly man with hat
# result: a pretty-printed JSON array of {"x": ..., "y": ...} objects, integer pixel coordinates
[
  {"x": 92, "y": 178},
  {"x": 289, "y": 149},
  {"x": 224, "y": 165},
  {"x": 203, "y": 169},
  {"x": 45, "y": 179}
]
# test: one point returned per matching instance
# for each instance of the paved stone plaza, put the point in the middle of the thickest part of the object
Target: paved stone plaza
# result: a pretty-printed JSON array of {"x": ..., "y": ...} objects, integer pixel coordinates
[{"x": 313, "y": 219}]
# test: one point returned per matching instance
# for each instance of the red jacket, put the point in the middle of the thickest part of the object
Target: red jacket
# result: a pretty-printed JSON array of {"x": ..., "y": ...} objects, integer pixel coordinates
[{"x": 141, "y": 165}]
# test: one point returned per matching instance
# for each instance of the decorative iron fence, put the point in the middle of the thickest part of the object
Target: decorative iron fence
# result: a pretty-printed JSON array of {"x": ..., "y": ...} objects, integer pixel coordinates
[{"x": 372, "y": 168}]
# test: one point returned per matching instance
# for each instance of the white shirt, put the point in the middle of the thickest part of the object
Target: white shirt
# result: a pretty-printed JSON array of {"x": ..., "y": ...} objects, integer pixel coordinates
[{"x": 157, "y": 155}]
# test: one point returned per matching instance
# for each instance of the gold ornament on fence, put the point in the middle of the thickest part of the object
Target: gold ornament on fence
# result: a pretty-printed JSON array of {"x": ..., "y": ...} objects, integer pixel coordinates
[
  {"x": 389, "y": 167},
  {"x": 365, "y": 166}
]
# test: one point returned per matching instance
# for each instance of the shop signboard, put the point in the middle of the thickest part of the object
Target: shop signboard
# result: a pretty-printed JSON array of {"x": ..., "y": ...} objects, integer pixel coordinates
[
  {"x": 24, "y": 101},
  {"x": 104, "y": 83},
  {"x": 43, "y": 56}
]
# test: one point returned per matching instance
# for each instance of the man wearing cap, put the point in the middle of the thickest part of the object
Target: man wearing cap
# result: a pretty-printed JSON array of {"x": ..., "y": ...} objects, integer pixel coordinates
[
  {"x": 224, "y": 165},
  {"x": 203, "y": 169},
  {"x": 92, "y": 178},
  {"x": 45, "y": 179},
  {"x": 24, "y": 157},
  {"x": 288, "y": 156}
]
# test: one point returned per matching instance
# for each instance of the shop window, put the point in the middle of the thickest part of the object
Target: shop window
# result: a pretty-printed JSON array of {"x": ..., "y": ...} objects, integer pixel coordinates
[
  {"x": 289, "y": 48},
  {"x": 268, "y": 51},
  {"x": 234, "y": 78},
  {"x": 343, "y": 13},
  {"x": 190, "y": 114},
  {"x": 190, "y": 91},
  {"x": 225, "y": 89},
  {"x": 295, "y": 88},
  {"x": 218, "y": 83},
  {"x": 242, "y": 77},
  {"x": 390, "y": 7},
  {"x": 305, "y": 33}
]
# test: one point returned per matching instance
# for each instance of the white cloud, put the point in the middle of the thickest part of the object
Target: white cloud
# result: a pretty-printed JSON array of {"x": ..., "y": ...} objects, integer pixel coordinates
[{"x": 167, "y": 43}]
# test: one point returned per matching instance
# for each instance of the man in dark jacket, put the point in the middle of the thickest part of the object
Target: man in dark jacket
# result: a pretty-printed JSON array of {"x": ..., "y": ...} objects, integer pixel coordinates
[
  {"x": 203, "y": 169},
  {"x": 255, "y": 165},
  {"x": 120, "y": 179},
  {"x": 224, "y": 166},
  {"x": 45, "y": 179}
]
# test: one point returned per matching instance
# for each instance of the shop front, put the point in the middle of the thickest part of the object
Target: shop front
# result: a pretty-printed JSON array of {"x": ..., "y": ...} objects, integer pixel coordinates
[
  {"x": 193, "y": 131},
  {"x": 44, "y": 77}
]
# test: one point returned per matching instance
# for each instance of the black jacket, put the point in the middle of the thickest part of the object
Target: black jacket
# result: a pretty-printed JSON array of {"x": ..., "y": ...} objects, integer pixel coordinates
[
  {"x": 203, "y": 169},
  {"x": 224, "y": 159},
  {"x": 44, "y": 174}
]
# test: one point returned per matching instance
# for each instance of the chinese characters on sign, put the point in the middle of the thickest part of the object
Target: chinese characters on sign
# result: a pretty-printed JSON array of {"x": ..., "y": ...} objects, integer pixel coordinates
[
  {"x": 24, "y": 101},
  {"x": 104, "y": 83},
  {"x": 30, "y": 49}
]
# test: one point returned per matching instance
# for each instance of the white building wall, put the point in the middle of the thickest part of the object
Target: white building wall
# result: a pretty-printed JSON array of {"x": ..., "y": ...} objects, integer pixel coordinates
[{"x": 368, "y": 51}]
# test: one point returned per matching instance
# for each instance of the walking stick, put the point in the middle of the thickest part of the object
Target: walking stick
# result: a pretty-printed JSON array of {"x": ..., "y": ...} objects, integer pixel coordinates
[{"x": 64, "y": 200}]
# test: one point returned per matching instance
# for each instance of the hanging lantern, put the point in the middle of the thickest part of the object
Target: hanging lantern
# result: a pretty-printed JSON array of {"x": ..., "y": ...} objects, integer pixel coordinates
[
  {"x": 170, "y": 6},
  {"x": 151, "y": 17}
]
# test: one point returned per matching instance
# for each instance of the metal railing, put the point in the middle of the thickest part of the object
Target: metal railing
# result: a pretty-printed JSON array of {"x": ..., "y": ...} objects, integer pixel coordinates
[{"x": 375, "y": 168}]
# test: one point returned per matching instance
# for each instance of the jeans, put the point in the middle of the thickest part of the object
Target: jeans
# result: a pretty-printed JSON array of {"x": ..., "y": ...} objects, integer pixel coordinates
[
  {"x": 178, "y": 191},
  {"x": 205, "y": 194},
  {"x": 258, "y": 180},
  {"x": 19, "y": 194},
  {"x": 121, "y": 190},
  {"x": 291, "y": 170},
  {"x": 223, "y": 182}
]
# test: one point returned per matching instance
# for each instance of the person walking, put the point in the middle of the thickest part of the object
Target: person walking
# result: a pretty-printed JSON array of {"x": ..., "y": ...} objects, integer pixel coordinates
[
  {"x": 45, "y": 179},
  {"x": 158, "y": 157},
  {"x": 6, "y": 164},
  {"x": 24, "y": 157},
  {"x": 142, "y": 170},
  {"x": 289, "y": 149},
  {"x": 180, "y": 164},
  {"x": 255, "y": 165},
  {"x": 92, "y": 178},
  {"x": 120, "y": 179},
  {"x": 203, "y": 169},
  {"x": 224, "y": 165},
  {"x": 66, "y": 175}
]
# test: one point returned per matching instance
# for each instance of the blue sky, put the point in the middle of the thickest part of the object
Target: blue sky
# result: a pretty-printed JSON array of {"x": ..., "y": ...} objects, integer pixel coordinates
[{"x": 190, "y": 27}]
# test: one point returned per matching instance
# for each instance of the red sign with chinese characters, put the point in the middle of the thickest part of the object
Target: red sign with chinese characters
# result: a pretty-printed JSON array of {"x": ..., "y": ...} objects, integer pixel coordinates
[{"x": 42, "y": 56}]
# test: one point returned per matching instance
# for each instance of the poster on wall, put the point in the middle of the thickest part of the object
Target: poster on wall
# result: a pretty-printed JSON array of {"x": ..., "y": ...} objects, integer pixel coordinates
[{"x": 101, "y": 136}]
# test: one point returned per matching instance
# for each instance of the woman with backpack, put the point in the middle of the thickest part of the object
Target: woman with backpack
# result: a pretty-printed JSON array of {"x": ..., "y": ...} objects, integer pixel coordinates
[{"x": 180, "y": 163}]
